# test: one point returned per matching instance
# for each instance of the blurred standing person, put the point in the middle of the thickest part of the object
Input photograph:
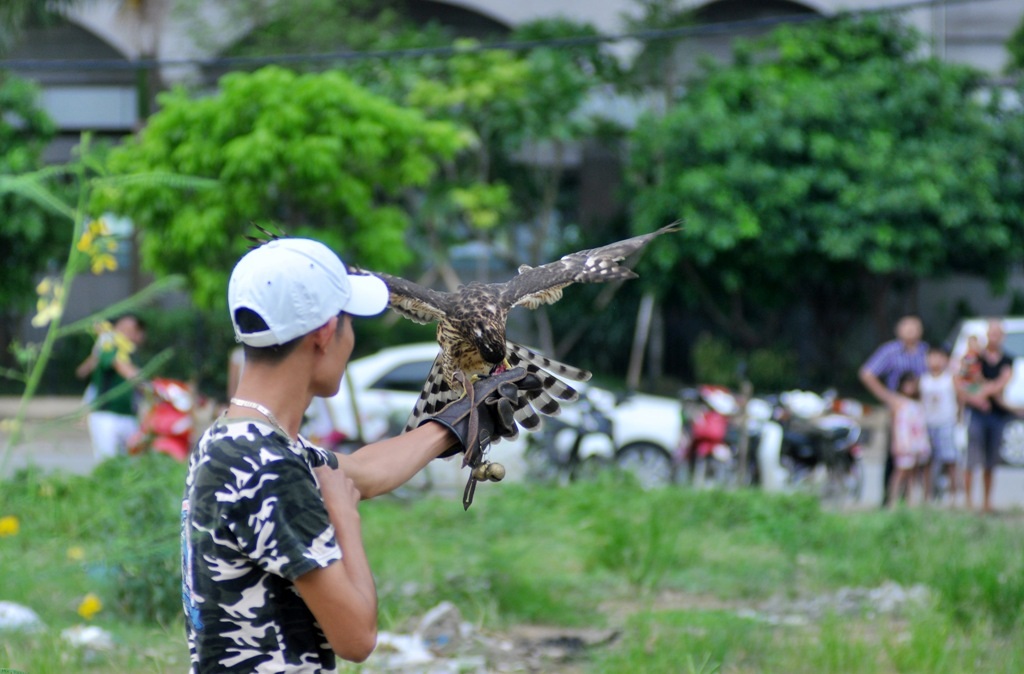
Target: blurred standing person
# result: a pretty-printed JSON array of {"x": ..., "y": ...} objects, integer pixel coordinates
[
  {"x": 941, "y": 408},
  {"x": 104, "y": 335},
  {"x": 112, "y": 422},
  {"x": 987, "y": 414},
  {"x": 910, "y": 448},
  {"x": 882, "y": 371}
]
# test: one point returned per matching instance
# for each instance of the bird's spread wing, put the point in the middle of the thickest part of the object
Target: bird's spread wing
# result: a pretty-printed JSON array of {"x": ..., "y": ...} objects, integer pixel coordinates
[
  {"x": 411, "y": 300},
  {"x": 534, "y": 286}
]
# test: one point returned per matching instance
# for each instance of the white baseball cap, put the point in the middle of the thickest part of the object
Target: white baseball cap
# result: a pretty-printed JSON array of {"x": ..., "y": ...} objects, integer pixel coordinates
[{"x": 296, "y": 286}]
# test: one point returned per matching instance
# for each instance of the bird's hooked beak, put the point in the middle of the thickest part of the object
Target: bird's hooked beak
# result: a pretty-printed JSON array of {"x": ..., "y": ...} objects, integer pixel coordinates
[{"x": 490, "y": 341}]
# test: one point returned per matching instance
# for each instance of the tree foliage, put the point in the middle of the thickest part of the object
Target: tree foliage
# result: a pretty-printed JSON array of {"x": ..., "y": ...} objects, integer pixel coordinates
[
  {"x": 16, "y": 14},
  {"x": 29, "y": 237},
  {"x": 309, "y": 153},
  {"x": 828, "y": 162},
  {"x": 310, "y": 27},
  {"x": 1015, "y": 45},
  {"x": 522, "y": 110}
]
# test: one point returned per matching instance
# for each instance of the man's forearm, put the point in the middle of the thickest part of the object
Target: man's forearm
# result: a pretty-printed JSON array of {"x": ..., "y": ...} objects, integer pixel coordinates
[
  {"x": 383, "y": 466},
  {"x": 349, "y": 534},
  {"x": 873, "y": 384}
]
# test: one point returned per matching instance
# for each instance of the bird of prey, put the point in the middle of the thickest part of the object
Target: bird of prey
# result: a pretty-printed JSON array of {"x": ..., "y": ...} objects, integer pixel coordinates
[{"x": 471, "y": 326}]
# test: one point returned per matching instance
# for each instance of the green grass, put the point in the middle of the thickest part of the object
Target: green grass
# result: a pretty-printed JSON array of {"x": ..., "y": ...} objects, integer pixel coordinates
[{"x": 671, "y": 570}]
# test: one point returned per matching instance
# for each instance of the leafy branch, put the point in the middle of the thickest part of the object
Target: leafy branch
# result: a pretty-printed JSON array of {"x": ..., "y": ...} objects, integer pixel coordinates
[{"x": 91, "y": 248}]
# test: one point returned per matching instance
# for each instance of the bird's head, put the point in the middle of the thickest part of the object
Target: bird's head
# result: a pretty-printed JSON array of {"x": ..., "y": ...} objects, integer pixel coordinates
[
  {"x": 480, "y": 318},
  {"x": 489, "y": 339}
]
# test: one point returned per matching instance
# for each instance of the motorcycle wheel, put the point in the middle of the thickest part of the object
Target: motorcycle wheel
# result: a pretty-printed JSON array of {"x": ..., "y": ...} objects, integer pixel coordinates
[
  {"x": 541, "y": 465},
  {"x": 590, "y": 468},
  {"x": 845, "y": 483},
  {"x": 648, "y": 463},
  {"x": 854, "y": 482}
]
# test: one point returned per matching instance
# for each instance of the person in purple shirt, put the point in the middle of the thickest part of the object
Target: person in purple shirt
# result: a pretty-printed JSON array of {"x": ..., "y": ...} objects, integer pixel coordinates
[{"x": 883, "y": 369}]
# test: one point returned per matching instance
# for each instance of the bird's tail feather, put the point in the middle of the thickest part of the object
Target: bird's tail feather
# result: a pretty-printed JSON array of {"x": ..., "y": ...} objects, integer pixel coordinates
[
  {"x": 530, "y": 404},
  {"x": 546, "y": 399},
  {"x": 517, "y": 354}
]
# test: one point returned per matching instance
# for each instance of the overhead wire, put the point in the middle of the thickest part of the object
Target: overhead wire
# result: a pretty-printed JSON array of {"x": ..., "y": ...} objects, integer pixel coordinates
[{"x": 645, "y": 35}]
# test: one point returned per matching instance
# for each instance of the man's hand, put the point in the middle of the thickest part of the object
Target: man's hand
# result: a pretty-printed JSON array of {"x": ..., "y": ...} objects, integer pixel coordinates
[
  {"x": 337, "y": 488},
  {"x": 492, "y": 401}
]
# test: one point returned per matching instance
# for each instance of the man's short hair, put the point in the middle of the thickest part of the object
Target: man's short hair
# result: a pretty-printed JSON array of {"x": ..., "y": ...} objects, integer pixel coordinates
[{"x": 249, "y": 321}]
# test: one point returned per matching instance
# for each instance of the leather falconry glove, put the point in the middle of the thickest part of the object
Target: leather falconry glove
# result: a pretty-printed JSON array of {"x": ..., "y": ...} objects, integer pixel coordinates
[{"x": 484, "y": 413}]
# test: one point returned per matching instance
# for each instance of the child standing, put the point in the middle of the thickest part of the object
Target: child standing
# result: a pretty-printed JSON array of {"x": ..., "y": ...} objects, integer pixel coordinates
[
  {"x": 938, "y": 396},
  {"x": 970, "y": 365},
  {"x": 910, "y": 448}
]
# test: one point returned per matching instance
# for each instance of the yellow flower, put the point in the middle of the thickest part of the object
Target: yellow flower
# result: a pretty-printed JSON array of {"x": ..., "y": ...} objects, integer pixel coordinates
[
  {"x": 76, "y": 553},
  {"x": 125, "y": 347},
  {"x": 9, "y": 526},
  {"x": 90, "y": 606},
  {"x": 85, "y": 243},
  {"x": 9, "y": 426},
  {"x": 49, "y": 310},
  {"x": 98, "y": 228},
  {"x": 98, "y": 244},
  {"x": 102, "y": 262},
  {"x": 51, "y": 302}
]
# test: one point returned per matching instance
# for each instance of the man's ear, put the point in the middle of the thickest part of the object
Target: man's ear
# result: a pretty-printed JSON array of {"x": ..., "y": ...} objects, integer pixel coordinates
[{"x": 322, "y": 335}]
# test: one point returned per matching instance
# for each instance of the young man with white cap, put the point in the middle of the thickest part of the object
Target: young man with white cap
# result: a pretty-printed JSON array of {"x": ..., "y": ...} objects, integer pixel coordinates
[{"x": 274, "y": 574}]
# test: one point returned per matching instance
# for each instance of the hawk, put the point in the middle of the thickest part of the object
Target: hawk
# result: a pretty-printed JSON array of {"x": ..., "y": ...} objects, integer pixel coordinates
[{"x": 471, "y": 327}]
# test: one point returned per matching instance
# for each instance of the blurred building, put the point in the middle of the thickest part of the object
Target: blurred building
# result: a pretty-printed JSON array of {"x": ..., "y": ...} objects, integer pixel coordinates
[
  {"x": 96, "y": 74},
  {"x": 101, "y": 68}
]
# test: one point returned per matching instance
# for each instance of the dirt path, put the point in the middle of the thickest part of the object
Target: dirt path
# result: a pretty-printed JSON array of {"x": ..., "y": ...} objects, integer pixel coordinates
[{"x": 49, "y": 445}]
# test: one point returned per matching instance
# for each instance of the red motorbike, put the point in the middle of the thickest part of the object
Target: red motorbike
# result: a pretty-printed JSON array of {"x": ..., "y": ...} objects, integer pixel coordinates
[
  {"x": 167, "y": 419},
  {"x": 707, "y": 447}
]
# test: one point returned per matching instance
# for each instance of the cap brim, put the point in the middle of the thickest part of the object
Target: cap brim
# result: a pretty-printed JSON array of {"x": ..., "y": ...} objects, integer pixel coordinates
[{"x": 369, "y": 296}]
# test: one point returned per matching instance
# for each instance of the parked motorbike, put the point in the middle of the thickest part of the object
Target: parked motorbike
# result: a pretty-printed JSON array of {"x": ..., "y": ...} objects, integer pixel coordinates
[
  {"x": 718, "y": 423},
  {"x": 817, "y": 437},
  {"x": 708, "y": 451},
  {"x": 715, "y": 425},
  {"x": 168, "y": 418},
  {"x": 576, "y": 445}
]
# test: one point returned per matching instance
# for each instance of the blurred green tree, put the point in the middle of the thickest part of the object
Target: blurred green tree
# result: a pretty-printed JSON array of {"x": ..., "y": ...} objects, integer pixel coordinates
[
  {"x": 528, "y": 111},
  {"x": 656, "y": 65},
  {"x": 829, "y": 166},
  {"x": 30, "y": 238},
  {"x": 524, "y": 109},
  {"x": 1015, "y": 45},
  {"x": 16, "y": 14},
  {"x": 308, "y": 27},
  {"x": 313, "y": 154}
]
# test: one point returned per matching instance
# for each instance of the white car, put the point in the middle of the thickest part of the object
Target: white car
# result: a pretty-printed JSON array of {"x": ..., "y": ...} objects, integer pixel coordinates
[
  {"x": 387, "y": 384},
  {"x": 1012, "y": 451}
]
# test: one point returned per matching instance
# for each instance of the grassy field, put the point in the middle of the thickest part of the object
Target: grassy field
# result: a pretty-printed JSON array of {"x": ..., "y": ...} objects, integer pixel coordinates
[{"x": 691, "y": 581}]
